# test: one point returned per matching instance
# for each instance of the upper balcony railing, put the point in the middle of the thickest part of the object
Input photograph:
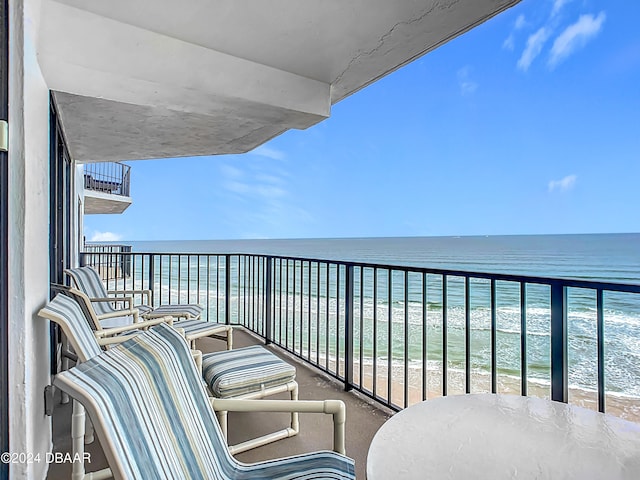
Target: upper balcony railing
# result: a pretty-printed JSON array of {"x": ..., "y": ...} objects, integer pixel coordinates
[
  {"x": 108, "y": 177},
  {"x": 404, "y": 334}
]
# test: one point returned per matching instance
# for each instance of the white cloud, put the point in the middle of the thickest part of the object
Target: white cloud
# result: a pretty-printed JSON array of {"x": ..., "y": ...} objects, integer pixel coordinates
[
  {"x": 270, "y": 191},
  {"x": 260, "y": 195},
  {"x": 467, "y": 85},
  {"x": 509, "y": 42},
  {"x": 564, "y": 184},
  {"x": 535, "y": 42},
  {"x": 557, "y": 6},
  {"x": 268, "y": 152},
  {"x": 270, "y": 178},
  {"x": 575, "y": 36},
  {"x": 237, "y": 187},
  {"x": 230, "y": 171},
  {"x": 105, "y": 237}
]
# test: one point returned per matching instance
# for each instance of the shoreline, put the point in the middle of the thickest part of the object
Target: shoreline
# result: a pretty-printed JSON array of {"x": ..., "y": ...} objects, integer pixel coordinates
[{"x": 627, "y": 408}]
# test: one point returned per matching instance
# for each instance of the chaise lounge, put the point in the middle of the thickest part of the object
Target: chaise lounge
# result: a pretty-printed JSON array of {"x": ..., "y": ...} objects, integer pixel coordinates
[
  {"x": 241, "y": 374},
  {"x": 88, "y": 281},
  {"x": 155, "y": 421}
]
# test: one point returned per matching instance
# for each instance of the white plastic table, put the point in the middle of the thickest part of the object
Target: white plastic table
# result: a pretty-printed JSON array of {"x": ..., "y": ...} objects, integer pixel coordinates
[{"x": 503, "y": 436}]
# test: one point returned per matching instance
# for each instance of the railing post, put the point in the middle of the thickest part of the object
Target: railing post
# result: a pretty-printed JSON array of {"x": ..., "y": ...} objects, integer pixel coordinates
[
  {"x": 494, "y": 337},
  {"x": 151, "y": 279},
  {"x": 467, "y": 334},
  {"x": 559, "y": 346},
  {"x": 227, "y": 289},
  {"x": 268, "y": 299},
  {"x": 126, "y": 260},
  {"x": 445, "y": 328},
  {"x": 523, "y": 340},
  {"x": 348, "y": 330},
  {"x": 600, "y": 349},
  {"x": 600, "y": 346}
]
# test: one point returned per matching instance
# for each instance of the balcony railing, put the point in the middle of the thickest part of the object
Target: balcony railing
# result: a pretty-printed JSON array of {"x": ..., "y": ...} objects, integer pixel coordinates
[
  {"x": 403, "y": 334},
  {"x": 108, "y": 177},
  {"x": 114, "y": 265}
]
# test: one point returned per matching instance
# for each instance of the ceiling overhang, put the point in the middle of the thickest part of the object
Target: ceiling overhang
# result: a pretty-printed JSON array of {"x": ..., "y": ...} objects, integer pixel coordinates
[{"x": 157, "y": 78}]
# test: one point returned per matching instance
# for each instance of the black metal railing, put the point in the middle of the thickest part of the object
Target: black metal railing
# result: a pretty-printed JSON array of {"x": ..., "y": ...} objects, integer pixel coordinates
[
  {"x": 108, "y": 177},
  {"x": 108, "y": 259},
  {"x": 404, "y": 334}
]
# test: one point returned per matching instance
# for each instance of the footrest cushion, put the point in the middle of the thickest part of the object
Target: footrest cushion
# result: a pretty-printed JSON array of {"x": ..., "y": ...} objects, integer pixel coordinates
[
  {"x": 177, "y": 310},
  {"x": 231, "y": 373},
  {"x": 200, "y": 328}
]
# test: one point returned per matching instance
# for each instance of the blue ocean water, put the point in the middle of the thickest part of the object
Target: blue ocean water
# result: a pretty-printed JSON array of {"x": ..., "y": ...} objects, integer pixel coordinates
[
  {"x": 606, "y": 257},
  {"x": 598, "y": 257}
]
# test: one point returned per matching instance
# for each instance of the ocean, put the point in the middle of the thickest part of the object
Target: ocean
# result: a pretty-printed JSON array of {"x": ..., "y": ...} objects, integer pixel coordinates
[
  {"x": 605, "y": 257},
  {"x": 598, "y": 257}
]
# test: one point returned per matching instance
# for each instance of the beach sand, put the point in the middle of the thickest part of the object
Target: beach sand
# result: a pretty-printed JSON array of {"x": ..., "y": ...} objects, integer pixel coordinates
[{"x": 621, "y": 406}]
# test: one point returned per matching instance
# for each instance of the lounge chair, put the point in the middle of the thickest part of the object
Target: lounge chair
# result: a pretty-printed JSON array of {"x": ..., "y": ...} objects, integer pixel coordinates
[
  {"x": 245, "y": 373},
  {"x": 67, "y": 313},
  {"x": 154, "y": 419},
  {"x": 88, "y": 281},
  {"x": 249, "y": 373}
]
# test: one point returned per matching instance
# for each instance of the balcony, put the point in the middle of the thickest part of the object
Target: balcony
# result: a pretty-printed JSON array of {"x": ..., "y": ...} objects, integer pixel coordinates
[
  {"x": 384, "y": 337},
  {"x": 106, "y": 187},
  {"x": 400, "y": 335}
]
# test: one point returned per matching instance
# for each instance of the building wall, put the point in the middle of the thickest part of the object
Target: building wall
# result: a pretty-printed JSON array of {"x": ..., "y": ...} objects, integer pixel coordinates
[{"x": 29, "y": 428}]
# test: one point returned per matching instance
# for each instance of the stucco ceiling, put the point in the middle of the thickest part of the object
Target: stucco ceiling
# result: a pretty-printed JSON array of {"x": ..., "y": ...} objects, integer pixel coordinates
[{"x": 156, "y": 78}]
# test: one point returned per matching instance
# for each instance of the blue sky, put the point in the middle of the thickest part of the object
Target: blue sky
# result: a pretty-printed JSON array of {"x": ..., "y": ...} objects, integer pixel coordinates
[{"x": 528, "y": 124}]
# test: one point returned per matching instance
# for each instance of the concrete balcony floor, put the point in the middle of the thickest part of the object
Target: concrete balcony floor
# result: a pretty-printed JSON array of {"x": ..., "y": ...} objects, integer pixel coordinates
[{"x": 363, "y": 420}]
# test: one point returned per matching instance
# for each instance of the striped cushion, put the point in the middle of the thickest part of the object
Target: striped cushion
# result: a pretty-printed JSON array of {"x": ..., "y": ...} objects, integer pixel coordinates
[
  {"x": 154, "y": 420},
  {"x": 178, "y": 310},
  {"x": 67, "y": 313},
  {"x": 232, "y": 373},
  {"x": 88, "y": 280},
  {"x": 114, "y": 322},
  {"x": 200, "y": 328},
  {"x": 143, "y": 309}
]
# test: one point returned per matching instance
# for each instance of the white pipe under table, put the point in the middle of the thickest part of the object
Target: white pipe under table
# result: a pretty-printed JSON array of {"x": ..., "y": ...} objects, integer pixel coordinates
[{"x": 489, "y": 436}]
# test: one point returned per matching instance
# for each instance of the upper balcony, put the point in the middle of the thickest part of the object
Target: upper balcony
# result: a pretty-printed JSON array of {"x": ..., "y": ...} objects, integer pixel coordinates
[{"x": 106, "y": 187}]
